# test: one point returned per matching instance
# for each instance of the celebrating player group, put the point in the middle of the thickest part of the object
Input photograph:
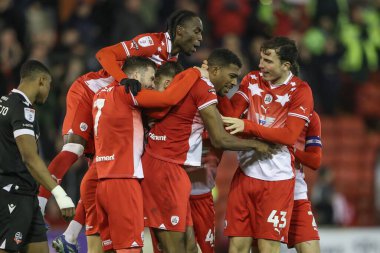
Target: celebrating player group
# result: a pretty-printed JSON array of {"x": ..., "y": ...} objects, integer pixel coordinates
[{"x": 153, "y": 134}]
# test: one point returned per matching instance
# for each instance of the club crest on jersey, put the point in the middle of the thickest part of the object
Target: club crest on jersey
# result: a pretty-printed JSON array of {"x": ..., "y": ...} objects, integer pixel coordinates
[
  {"x": 29, "y": 114},
  {"x": 145, "y": 41},
  {"x": 18, "y": 238},
  {"x": 268, "y": 99},
  {"x": 83, "y": 126},
  {"x": 174, "y": 220}
]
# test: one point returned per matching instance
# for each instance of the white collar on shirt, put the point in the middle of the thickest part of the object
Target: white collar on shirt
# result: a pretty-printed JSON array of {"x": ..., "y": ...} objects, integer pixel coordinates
[
  {"x": 169, "y": 45},
  {"x": 284, "y": 83},
  {"x": 23, "y": 94}
]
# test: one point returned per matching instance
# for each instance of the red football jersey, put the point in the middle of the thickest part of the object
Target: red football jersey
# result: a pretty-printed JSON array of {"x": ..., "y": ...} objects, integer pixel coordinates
[
  {"x": 178, "y": 137},
  {"x": 118, "y": 134},
  {"x": 270, "y": 105},
  {"x": 118, "y": 129}
]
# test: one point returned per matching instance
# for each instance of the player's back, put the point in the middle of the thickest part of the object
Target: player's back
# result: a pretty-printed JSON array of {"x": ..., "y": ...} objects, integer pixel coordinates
[
  {"x": 118, "y": 134},
  {"x": 178, "y": 137}
]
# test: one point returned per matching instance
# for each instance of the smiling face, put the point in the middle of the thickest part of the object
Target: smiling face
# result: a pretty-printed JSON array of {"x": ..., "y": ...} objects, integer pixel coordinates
[
  {"x": 271, "y": 67},
  {"x": 224, "y": 78},
  {"x": 188, "y": 36}
]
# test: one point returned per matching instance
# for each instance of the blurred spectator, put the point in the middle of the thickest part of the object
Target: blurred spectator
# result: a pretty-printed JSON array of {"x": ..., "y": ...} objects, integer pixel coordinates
[
  {"x": 321, "y": 198},
  {"x": 367, "y": 102},
  {"x": 331, "y": 207},
  {"x": 11, "y": 55},
  {"x": 228, "y": 17},
  {"x": 130, "y": 21}
]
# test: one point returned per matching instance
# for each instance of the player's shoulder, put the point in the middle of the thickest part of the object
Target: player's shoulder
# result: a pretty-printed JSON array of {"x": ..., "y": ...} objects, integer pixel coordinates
[
  {"x": 148, "y": 39},
  {"x": 203, "y": 84},
  {"x": 15, "y": 100},
  {"x": 206, "y": 81},
  {"x": 315, "y": 119},
  {"x": 253, "y": 76},
  {"x": 298, "y": 83}
]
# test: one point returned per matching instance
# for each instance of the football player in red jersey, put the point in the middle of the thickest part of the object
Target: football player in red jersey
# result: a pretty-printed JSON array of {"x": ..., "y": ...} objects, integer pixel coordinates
[
  {"x": 279, "y": 104},
  {"x": 202, "y": 178},
  {"x": 175, "y": 142},
  {"x": 303, "y": 232},
  {"x": 118, "y": 132},
  {"x": 184, "y": 34}
]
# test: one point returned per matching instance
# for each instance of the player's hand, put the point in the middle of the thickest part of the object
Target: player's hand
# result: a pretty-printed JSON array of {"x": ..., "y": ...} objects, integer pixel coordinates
[
  {"x": 233, "y": 125},
  {"x": 204, "y": 72},
  {"x": 64, "y": 202},
  {"x": 204, "y": 64},
  {"x": 131, "y": 85}
]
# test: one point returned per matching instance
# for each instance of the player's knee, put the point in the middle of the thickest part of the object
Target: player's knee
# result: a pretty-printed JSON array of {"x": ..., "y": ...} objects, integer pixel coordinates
[
  {"x": 238, "y": 245},
  {"x": 269, "y": 246},
  {"x": 173, "y": 242},
  {"x": 308, "y": 247},
  {"x": 191, "y": 247}
]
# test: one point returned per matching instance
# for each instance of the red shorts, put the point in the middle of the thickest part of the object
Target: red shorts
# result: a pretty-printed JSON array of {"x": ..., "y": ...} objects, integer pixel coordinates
[
  {"x": 88, "y": 195},
  {"x": 303, "y": 227},
  {"x": 166, "y": 189},
  {"x": 259, "y": 209},
  {"x": 119, "y": 205},
  {"x": 78, "y": 119},
  {"x": 203, "y": 214}
]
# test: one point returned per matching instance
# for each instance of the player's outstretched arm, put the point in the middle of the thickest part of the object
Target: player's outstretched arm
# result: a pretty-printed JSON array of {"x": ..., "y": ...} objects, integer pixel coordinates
[
  {"x": 233, "y": 107},
  {"x": 37, "y": 168},
  {"x": 223, "y": 140},
  {"x": 286, "y": 135},
  {"x": 109, "y": 57},
  {"x": 180, "y": 86}
]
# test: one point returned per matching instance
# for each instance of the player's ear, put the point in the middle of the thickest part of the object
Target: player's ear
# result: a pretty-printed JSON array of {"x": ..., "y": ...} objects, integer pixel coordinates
[
  {"x": 42, "y": 80},
  {"x": 214, "y": 70},
  {"x": 166, "y": 83},
  {"x": 179, "y": 30},
  {"x": 286, "y": 66}
]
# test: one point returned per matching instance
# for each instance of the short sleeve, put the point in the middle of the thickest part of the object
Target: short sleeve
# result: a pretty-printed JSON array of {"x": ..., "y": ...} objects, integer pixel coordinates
[
  {"x": 23, "y": 121},
  {"x": 204, "y": 94},
  {"x": 243, "y": 88}
]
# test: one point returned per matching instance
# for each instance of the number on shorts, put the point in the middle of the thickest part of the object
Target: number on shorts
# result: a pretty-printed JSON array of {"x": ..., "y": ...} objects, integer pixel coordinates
[
  {"x": 313, "y": 223},
  {"x": 99, "y": 104},
  {"x": 210, "y": 237},
  {"x": 273, "y": 218}
]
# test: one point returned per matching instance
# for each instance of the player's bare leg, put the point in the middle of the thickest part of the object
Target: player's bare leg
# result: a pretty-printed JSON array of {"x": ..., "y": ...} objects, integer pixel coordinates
[
  {"x": 308, "y": 247},
  {"x": 170, "y": 241},
  {"x": 268, "y": 246},
  {"x": 94, "y": 244},
  {"x": 40, "y": 247},
  {"x": 191, "y": 242},
  {"x": 240, "y": 244}
]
